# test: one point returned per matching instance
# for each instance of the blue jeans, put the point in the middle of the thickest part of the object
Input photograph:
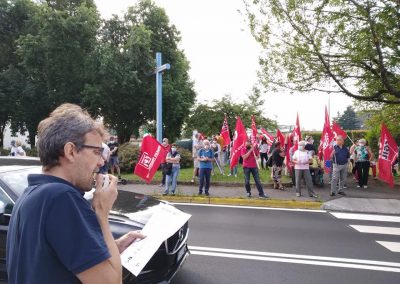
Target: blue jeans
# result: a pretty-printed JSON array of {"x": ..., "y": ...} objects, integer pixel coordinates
[
  {"x": 171, "y": 179},
  {"x": 204, "y": 175},
  {"x": 254, "y": 172}
]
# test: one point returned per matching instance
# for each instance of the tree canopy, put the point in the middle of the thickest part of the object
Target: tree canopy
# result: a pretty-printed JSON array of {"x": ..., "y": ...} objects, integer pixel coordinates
[
  {"x": 348, "y": 119},
  {"x": 352, "y": 43},
  {"x": 208, "y": 118},
  {"x": 56, "y": 51}
]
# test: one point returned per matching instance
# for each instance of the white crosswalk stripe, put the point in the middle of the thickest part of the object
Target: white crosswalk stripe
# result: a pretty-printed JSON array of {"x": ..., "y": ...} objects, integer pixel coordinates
[{"x": 379, "y": 230}]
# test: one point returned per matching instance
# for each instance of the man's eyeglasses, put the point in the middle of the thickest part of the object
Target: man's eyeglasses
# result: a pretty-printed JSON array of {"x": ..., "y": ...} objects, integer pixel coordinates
[{"x": 97, "y": 150}]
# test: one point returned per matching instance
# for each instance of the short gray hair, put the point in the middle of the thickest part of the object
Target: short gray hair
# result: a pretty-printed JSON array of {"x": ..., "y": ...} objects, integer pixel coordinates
[{"x": 67, "y": 123}]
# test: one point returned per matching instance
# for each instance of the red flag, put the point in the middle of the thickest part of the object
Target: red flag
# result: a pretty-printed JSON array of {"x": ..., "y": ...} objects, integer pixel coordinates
[
  {"x": 388, "y": 151},
  {"x": 296, "y": 133},
  {"x": 280, "y": 137},
  {"x": 337, "y": 130},
  {"x": 239, "y": 141},
  {"x": 268, "y": 136},
  {"x": 152, "y": 152},
  {"x": 225, "y": 132},
  {"x": 254, "y": 132},
  {"x": 325, "y": 145}
]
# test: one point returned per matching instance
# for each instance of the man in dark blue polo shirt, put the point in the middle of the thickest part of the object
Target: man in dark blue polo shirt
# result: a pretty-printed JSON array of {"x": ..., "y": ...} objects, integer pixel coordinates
[
  {"x": 340, "y": 157},
  {"x": 55, "y": 235}
]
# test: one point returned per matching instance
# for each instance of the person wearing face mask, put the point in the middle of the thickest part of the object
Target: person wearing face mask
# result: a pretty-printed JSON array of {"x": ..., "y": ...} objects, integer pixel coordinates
[
  {"x": 173, "y": 158},
  {"x": 301, "y": 160},
  {"x": 205, "y": 156},
  {"x": 309, "y": 144},
  {"x": 362, "y": 159}
]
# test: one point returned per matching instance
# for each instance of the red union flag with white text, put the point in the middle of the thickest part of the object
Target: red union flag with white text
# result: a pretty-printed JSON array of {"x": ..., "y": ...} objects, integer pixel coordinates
[
  {"x": 239, "y": 141},
  {"x": 388, "y": 151},
  {"x": 225, "y": 132},
  {"x": 150, "y": 158},
  {"x": 325, "y": 145}
]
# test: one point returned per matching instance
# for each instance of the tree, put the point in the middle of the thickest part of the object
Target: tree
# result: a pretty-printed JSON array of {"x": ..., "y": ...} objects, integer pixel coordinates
[
  {"x": 208, "y": 118},
  {"x": 53, "y": 57},
  {"x": 348, "y": 120},
  {"x": 353, "y": 43}
]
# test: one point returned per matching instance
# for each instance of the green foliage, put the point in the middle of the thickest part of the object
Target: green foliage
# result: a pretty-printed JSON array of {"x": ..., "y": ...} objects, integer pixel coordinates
[
  {"x": 128, "y": 155},
  {"x": 208, "y": 118},
  {"x": 31, "y": 152},
  {"x": 4, "y": 152},
  {"x": 348, "y": 120},
  {"x": 353, "y": 44},
  {"x": 186, "y": 158}
]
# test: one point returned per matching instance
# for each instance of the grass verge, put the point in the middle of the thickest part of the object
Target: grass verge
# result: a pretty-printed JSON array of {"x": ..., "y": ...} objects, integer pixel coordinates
[{"x": 275, "y": 203}]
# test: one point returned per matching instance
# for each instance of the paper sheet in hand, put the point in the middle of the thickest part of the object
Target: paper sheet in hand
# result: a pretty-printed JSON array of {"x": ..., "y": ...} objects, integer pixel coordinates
[{"x": 165, "y": 221}]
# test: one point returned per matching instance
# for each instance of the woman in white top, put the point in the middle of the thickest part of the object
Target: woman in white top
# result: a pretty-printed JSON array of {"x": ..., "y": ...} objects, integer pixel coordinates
[
  {"x": 19, "y": 151},
  {"x": 301, "y": 160}
]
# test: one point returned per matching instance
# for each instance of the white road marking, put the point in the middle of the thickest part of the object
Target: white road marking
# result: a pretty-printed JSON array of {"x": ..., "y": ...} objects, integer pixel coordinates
[
  {"x": 392, "y": 246},
  {"x": 298, "y": 261},
  {"x": 366, "y": 217},
  {"x": 295, "y": 256},
  {"x": 248, "y": 207},
  {"x": 377, "y": 230}
]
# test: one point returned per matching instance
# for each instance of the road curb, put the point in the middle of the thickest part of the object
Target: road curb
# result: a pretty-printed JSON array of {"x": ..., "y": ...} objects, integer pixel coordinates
[{"x": 275, "y": 203}]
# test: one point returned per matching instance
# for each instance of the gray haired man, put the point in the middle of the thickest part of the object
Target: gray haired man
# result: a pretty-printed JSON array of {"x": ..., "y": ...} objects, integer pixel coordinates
[{"x": 340, "y": 157}]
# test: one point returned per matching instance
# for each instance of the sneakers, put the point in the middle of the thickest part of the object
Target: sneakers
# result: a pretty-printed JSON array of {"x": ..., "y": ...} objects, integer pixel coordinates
[
  {"x": 236, "y": 176},
  {"x": 358, "y": 186},
  {"x": 298, "y": 194},
  {"x": 342, "y": 193},
  {"x": 200, "y": 193},
  {"x": 248, "y": 195},
  {"x": 192, "y": 181},
  {"x": 229, "y": 175},
  {"x": 332, "y": 194},
  {"x": 365, "y": 186},
  {"x": 314, "y": 195},
  {"x": 263, "y": 196},
  {"x": 207, "y": 194},
  {"x": 165, "y": 193}
]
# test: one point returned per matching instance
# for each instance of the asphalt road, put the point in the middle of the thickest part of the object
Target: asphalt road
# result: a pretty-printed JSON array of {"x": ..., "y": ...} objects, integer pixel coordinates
[{"x": 244, "y": 245}]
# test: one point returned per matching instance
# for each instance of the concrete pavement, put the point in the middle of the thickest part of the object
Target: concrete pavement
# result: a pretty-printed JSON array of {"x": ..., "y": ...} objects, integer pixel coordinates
[{"x": 378, "y": 198}]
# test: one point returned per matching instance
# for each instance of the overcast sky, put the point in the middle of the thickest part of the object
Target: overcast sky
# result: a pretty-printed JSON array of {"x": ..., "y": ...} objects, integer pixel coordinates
[{"x": 224, "y": 58}]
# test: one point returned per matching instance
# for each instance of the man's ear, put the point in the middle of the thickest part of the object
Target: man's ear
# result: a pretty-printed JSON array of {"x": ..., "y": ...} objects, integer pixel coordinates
[{"x": 70, "y": 151}]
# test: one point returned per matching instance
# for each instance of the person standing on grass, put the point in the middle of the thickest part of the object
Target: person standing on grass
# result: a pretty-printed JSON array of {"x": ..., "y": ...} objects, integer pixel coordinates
[
  {"x": 301, "y": 160},
  {"x": 362, "y": 158},
  {"x": 205, "y": 157},
  {"x": 264, "y": 148},
  {"x": 163, "y": 161},
  {"x": 114, "y": 162},
  {"x": 173, "y": 158},
  {"x": 197, "y": 145},
  {"x": 277, "y": 156},
  {"x": 340, "y": 157},
  {"x": 249, "y": 155}
]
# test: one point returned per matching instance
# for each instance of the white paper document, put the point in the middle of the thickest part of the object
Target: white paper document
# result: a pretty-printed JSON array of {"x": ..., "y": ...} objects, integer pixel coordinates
[{"x": 165, "y": 221}]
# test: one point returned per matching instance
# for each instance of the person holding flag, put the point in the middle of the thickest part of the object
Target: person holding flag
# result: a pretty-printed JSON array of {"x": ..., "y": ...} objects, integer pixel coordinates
[
  {"x": 388, "y": 156},
  {"x": 249, "y": 155},
  {"x": 340, "y": 157}
]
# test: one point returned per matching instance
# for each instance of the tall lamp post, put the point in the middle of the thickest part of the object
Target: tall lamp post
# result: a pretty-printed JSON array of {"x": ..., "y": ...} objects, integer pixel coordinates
[{"x": 159, "y": 70}]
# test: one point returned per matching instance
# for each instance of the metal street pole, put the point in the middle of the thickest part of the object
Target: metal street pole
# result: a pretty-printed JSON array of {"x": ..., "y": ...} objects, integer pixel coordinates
[{"x": 159, "y": 69}]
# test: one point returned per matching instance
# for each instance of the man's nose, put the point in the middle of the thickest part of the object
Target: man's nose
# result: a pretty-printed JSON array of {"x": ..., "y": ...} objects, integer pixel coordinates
[{"x": 100, "y": 162}]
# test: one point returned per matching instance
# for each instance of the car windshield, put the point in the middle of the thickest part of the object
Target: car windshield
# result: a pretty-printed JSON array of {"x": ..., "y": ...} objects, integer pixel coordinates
[{"x": 17, "y": 180}]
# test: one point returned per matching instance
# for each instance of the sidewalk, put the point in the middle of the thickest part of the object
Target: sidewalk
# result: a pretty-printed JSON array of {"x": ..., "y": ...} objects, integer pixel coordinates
[{"x": 378, "y": 198}]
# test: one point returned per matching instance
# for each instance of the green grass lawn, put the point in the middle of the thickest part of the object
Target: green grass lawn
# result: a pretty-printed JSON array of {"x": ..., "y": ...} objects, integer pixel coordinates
[{"x": 185, "y": 175}]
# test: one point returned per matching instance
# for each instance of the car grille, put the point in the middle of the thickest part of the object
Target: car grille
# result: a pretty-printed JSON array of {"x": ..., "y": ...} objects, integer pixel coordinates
[{"x": 177, "y": 240}]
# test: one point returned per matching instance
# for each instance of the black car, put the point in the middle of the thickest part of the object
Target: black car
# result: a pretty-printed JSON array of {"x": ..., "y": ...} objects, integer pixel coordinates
[{"x": 131, "y": 211}]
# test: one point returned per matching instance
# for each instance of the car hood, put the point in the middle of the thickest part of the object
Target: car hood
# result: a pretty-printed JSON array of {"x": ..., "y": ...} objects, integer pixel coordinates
[{"x": 136, "y": 207}]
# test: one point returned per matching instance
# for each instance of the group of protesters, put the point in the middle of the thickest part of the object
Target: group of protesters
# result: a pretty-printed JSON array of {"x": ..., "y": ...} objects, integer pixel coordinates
[{"x": 305, "y": 164}]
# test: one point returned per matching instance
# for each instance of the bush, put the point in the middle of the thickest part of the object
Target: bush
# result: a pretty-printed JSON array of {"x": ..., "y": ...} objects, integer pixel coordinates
[
  {"x": 32, "y": 152},
  {"x": 4, "y": 152},
  {"x": 186, "y": 158},
  {"x": 128, "y": 155},
  {"x": 185, "y": 144}
]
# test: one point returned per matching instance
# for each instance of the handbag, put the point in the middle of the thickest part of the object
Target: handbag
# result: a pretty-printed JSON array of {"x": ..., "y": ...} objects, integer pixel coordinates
[{"x": 168, "y": 169}]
